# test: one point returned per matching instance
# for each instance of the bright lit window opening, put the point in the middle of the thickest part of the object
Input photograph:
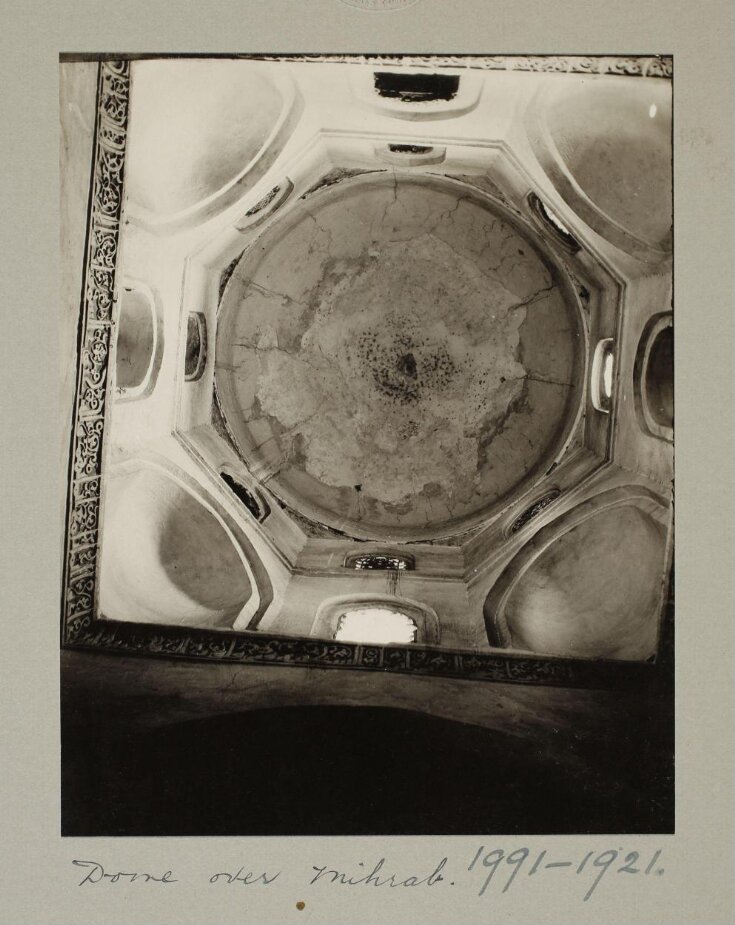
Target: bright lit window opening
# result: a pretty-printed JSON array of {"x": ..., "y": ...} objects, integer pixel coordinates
[
  {"x": 376, "y": 625},
  {"x": 552, "y": 221},
  {"x": 603, "y": 365},
  {"x": 607, "y": 371}
]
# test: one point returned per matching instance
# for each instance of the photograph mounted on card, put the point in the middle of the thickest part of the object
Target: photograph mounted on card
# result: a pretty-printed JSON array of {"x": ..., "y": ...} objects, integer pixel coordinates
[{"x": 370, "y": 468}]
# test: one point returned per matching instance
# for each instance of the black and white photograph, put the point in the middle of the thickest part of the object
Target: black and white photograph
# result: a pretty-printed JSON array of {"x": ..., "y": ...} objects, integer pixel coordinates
[
  {"x": 369, "y": 444},
  {"x": 368, "y": 462}
]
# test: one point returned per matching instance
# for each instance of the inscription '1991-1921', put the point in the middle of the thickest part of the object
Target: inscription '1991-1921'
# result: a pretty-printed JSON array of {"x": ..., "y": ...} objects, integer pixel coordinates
[{"x": 602, "y": 861}]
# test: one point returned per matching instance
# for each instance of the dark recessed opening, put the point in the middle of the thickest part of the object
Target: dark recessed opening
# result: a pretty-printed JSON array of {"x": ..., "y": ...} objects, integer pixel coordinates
[
  {"x": 410, "y": 149},
  {"x": 533, "y": 510},
  {"x": 247, "y": 498},
  {"x": 416, "y": 88},
  {"x": 660, "y": 378}
]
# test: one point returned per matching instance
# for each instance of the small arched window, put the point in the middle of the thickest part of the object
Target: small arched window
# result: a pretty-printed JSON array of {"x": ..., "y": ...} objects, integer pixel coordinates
[
  {"x": 416, "y": 88},
  {"x": 551, "y": 221},
  {"x": 257, "y": 508},
  {"x": 385, "y": 562},
  {"x": 377, "y": 625},
  {"x": 601, "y": 384},
  {"x": 533, "y": 510},
  {"x": 376, "y": 619}
]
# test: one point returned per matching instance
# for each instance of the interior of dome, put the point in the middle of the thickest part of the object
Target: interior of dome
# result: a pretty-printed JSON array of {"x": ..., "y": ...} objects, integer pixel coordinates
[{"x": 390, "y": 389}]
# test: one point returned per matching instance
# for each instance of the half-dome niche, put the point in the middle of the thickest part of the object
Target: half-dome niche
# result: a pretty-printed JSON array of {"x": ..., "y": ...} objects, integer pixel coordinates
[
  {"x": 198, "y": 130},
  {"x": 166, "y": 558},
  {"x": 586, "y": 586},
  {"x": 605, "y": 144}
]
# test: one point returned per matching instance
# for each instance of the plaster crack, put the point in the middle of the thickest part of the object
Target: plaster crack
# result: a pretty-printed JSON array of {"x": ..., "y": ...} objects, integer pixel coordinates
[{"x": 263, "y": 290}]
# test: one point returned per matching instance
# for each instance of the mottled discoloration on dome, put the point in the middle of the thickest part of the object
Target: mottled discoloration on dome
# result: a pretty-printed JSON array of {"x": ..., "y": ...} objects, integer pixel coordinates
[{"x": 402, "y": 337}]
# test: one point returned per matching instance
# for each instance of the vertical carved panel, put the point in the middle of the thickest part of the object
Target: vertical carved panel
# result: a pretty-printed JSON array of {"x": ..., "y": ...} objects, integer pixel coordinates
[{"x": 83, "y": 506}]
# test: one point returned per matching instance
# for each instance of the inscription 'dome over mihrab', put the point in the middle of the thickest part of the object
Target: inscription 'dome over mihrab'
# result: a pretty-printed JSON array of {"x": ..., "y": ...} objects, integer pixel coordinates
[{"x": 401, "y": 337}]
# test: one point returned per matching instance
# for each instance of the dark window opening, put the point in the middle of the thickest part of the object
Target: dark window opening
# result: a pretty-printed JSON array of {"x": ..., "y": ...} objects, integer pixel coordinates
[
  {"x": 416, "y": 88},
  {"x": 533, "y": 510},
  {"x": 245, "y": 496},
  {"x": 381, "y": 562},
  {"x": 196, "y": 346},
  {"x": 554, "y": 224},
  {"x": 410, "y": 149},
  {"x": 265, "y": 201},
  {"x": 660, "y": 378}
]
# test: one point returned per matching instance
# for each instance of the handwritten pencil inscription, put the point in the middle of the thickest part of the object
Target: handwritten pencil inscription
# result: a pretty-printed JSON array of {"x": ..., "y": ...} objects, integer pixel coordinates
[{"x": 489, "y": 870}]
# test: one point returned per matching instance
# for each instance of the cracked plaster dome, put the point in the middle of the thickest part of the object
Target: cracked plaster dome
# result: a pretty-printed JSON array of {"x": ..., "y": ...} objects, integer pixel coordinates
[{"x": 397, "y": 357}]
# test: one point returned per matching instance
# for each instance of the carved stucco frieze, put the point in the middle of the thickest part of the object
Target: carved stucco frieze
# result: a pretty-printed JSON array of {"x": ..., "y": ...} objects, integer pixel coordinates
[
  {"x": 628, "y": 66},
  {"x": 261, "y": 649},
  {"x": 96, "y": 337}
]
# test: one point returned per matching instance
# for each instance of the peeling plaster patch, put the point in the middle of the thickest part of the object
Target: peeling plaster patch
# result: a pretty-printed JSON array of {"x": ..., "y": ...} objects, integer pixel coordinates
[
  {"x": 402, "y": 386},
  {"x": 380, "y": 342}
]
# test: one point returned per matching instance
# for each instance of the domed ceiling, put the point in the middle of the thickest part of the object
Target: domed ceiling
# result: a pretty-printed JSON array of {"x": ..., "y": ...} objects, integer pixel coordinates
[{"x": 398, "y": 356}]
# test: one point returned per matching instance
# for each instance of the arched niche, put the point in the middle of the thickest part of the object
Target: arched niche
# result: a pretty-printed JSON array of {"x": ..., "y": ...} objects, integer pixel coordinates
[
  {"x": 587, "y": 585},
  {"x": 170, "y": 556},
  {"x": 654, "y": 377},
  {"x": 331, "y": 612},
  {"x": 605, "y": 144},
  {"x": 139, "y": 342},
  {"x": 202, "y": 132}
]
